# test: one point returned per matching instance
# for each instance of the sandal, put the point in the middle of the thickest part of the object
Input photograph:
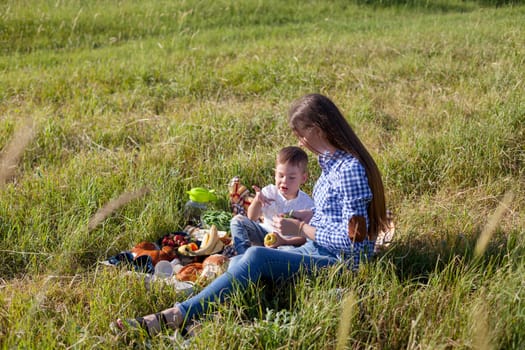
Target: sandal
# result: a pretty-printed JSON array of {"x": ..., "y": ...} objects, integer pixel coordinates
[{"x": 151, "y": 324}]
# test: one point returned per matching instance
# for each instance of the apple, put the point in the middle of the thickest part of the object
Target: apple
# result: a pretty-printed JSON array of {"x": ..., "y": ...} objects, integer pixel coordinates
[{"x": 270, "y": 239}]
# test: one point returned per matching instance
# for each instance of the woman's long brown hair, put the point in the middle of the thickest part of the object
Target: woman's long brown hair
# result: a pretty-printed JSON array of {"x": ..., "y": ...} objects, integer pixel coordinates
[{"x": 318, "y": 110}]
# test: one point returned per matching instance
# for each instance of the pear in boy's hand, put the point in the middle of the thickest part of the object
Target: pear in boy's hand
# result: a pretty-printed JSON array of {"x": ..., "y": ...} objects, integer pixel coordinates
[{"x": 270, "y": 239}]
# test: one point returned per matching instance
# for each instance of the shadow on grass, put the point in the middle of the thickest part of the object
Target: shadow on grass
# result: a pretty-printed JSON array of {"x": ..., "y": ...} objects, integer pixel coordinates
[
  {"x": 417, "y": 259},
  {"x": 440, "y": 5}
]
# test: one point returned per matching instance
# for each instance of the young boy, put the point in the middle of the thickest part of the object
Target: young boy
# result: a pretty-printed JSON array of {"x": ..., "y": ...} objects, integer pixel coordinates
[{"x": 273, "y": 200}]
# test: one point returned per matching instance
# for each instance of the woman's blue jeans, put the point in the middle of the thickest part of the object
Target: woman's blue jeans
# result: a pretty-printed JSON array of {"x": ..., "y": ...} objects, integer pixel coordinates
[{"x": 257, "y": 263}]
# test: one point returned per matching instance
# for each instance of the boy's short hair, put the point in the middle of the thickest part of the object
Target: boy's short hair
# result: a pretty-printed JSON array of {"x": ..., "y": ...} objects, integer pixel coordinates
[{"x": 293, "y": 155}]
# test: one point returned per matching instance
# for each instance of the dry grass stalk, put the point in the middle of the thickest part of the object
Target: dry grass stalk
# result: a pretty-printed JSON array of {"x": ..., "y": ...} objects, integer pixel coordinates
[
  {"x": 481, "y": 333},
  {"x": 13, "y": 152},
  {"x": 492, "y": 224},
  {"x": 114, "y": 205},
  {"x": 347, "y": 314}
]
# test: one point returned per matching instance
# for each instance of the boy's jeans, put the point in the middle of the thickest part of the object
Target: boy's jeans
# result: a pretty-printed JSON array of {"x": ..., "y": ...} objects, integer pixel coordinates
[{"x": 246, "y": 233}]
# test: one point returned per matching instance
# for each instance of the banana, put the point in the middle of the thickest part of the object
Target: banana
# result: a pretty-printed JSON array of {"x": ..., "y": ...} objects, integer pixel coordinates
[
  {"x": 187, "y": 249},
  {"x": 184, "y": 249},
  {"x": 206, "y": 240},
  {"x": 210, "y": 244}
]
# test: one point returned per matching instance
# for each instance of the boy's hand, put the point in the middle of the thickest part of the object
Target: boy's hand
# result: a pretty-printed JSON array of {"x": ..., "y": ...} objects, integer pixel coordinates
[
  {"x": 259, "y": 197},
  {"x": 279, "y": 240}
]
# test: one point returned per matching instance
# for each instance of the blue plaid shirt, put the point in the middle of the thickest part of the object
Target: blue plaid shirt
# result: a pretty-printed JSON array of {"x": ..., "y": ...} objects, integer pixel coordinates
[{"x": 341, "y": 192}]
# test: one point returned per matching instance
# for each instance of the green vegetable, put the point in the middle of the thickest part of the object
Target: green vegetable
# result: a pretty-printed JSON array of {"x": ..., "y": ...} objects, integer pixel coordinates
[
  {"x": 221, "y": 219},
  {"x": 289, "y": 215}
]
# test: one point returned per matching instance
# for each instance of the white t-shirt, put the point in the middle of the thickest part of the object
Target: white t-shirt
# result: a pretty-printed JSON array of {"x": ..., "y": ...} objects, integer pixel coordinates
[{"x": 281, "y": 205}]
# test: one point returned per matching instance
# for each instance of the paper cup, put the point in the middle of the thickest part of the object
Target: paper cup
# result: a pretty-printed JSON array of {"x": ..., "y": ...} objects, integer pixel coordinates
[{"x": 164, "y": 269}]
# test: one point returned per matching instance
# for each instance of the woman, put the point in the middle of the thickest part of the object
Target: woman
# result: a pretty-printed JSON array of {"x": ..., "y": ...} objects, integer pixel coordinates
[{"x": 348, "y": 215}]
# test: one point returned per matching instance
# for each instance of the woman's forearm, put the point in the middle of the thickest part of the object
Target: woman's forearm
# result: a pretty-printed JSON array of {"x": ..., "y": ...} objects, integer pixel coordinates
[{"x": 306, "y": 231}]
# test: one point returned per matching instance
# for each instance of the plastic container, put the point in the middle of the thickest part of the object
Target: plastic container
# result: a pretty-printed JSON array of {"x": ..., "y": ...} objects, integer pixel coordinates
[
  {"x": 193, "y": 211},
  {"x": 177, "y": 265},
  {"x": 199, "y": 200}
]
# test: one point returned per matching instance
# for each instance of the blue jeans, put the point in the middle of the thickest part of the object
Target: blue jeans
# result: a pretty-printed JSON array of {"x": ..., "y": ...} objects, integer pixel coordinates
[
  {"x": 246, "y": 233},
  {"x": 257, "y": 263}
]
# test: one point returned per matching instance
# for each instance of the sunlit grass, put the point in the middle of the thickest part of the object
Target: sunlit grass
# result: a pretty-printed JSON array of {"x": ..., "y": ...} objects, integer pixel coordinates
[{"x": 131, "y": 97}]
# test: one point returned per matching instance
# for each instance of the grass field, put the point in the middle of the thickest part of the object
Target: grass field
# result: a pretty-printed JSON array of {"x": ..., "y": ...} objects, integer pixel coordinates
[{"x": 103, "y": 98}]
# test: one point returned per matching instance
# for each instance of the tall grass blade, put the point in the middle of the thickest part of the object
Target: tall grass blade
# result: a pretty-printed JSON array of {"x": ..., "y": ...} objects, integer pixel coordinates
[
  {"x": 13, "y": 152},
  {"x": 348, "y": 312},
  {"x": 492, "y": 224},
  {"x": 114, "y": 205},
  {"x": 481, "y": 331}
]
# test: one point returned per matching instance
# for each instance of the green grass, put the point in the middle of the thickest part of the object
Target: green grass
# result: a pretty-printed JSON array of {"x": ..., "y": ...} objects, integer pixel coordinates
[{"x": 169, "y": 95}]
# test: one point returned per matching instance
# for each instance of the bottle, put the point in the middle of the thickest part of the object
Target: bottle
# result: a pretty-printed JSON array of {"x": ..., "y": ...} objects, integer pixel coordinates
[
  {"x": 193, "y": 211},
  {"x": 198, "y": 204}
]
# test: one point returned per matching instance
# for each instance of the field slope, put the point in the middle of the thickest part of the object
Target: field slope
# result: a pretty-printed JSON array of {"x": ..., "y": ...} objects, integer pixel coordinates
[{"x": 142, "y": 100}]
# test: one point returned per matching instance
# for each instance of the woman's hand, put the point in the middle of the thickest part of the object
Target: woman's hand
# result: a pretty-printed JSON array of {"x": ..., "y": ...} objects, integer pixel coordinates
[
  {"x": 285, "y": 226},
  {"x": 303, "y": 215}
]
